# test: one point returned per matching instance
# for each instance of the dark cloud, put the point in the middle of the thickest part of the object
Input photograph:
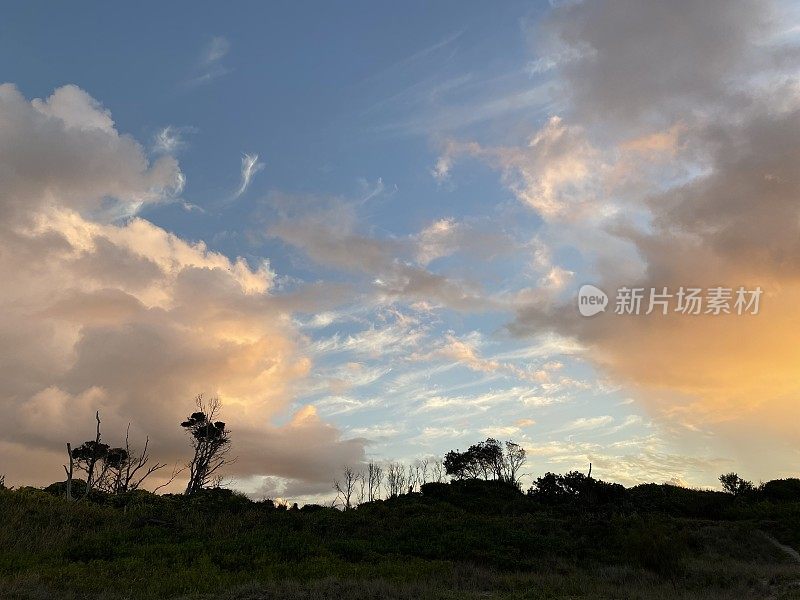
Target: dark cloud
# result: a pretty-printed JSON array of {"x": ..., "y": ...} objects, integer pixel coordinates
[{"x": 622, "y": 60}]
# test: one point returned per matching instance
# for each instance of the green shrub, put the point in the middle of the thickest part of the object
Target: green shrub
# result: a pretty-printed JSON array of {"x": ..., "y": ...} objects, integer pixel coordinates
[
  {"x": 656, "y": 546},
  {"x": 781, "y": 490}
]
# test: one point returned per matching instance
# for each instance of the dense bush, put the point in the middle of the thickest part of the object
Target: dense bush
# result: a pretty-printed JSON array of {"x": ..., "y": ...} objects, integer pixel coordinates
[
  {"x": 142, "y": 545},
  {"x": 781, "y": 490},
  {"x": 575, "y": 488},
  {"x": 571, "y": 490},
  {"x": 678, "y": 501}
]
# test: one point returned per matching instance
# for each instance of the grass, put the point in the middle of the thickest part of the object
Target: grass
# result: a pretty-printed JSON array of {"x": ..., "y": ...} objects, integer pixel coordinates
[{"x": 463, "y": 546}]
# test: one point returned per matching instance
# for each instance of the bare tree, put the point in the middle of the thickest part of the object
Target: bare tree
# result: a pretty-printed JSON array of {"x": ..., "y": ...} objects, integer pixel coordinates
[
  {"x": 417, "y": 475},
  {"x": 176, "y": 470},
  {"x": 125, "y": 469},
  {"x": 110, "y": 470},
  {"x": 346, "y": 487},
  {"x": 424, "y": 464},
  {"x": 437, "y": 471},
  {"x": 211, "y": 443},
  {"x": 361, "y": 491},
  {"x": 69, "y": 472},
  {"x": 411, "y": 478},
  {"x": 396, "y": 482},
  {"x": 374, "y": 481}
]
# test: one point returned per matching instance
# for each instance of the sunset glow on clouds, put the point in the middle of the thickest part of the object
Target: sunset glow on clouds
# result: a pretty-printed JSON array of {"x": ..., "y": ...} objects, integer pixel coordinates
[{"x": 397, "y": 278}]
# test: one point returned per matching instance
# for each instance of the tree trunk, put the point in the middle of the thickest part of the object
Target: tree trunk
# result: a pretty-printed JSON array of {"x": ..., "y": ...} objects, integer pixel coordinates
[{"x": 68, "y": 492}]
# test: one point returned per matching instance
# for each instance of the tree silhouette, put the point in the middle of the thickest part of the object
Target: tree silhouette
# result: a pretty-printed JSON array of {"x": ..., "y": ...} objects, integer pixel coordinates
[
  {"x": 346, "y": 487},
  {"x": 490, "y": 457},
  {"x": 108, "y": 469},
  {"x": 437, "y": 470},
  {"x": 395, "y": 481},
  {"x": 374, "y": 478},
  {"x": 515, "y": 458},
  {"x": 125, "y": 469},
  {"x": 574, "y": 487},
  {"x": 458, "y": 464},
  {"x": 486, "y": 460},
  {"x": 735, "y": 485},
  {"x": 210, "y": 441},
  {"x": 86, "y": 458}
]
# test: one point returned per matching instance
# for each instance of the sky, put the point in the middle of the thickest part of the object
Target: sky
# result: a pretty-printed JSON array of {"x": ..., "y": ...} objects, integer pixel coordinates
[{"x": 364, "y": 227}]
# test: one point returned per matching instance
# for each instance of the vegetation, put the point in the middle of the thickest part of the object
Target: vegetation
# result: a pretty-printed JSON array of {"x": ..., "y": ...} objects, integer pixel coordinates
[
  {"x": 110, "y": 470},
  {"x": 211, "y": 444},
  {"x": 733, "y": 484},
  {"x": 487, "y": 460},
  {"x": 568, "y": 536},
  {"x": 395, "y": 531}
]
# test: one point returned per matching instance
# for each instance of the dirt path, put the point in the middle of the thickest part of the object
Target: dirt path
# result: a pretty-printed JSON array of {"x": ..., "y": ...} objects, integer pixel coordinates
[{"x": 787, "y": 550}]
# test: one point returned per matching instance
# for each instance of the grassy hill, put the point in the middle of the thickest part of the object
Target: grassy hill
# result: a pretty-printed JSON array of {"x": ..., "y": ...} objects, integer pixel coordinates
[{"x": 470, "y": 539}]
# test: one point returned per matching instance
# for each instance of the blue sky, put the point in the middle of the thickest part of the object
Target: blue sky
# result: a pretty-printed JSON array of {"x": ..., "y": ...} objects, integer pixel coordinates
[{"x": 424, "y": 179}]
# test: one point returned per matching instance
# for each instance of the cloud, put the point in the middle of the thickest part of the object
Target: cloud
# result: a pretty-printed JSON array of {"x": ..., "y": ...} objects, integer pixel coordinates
[
  {"x": 622, "y": 61},
  {"x": 557, "y": 173},
  {"x": 716, "y": 205},
  {"x": 250, "y": 166},
  {"x": 170, "y": 139},
  {"x": 439, "y": 239},
  {"x": 326, "y": 230},
  {"x": 430, "y": 93},
  {"x": 459, "y": 102},
  {"x": 516, "y": 396},
  {"x": 631, "y": 462},
  {"x": 556, "y": 278},
  {"x": 586, "y": 423},
  {"x": 671, "y": 163},
  {"x": 474, "y": 240},
  {"x": 74, "y": 108},
  {"x": 210, "y": 65},
  {"x": 465, "y": 351},
  {"x": 65, "y": 150},
  {"x": 124, "y": 317},
  {"x": 307, "y": 451},
  {"x": 216, "y": 50},
  {"x": 393, "y": 334}
]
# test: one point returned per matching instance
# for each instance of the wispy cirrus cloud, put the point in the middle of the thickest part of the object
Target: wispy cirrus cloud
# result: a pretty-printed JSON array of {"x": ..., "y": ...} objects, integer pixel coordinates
[
  {"x": 216, "y": 50},
  {"x": 250, "y": 166},
  {"x": 210, "y": 65},
  {"x": 171, "y": 139}
]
